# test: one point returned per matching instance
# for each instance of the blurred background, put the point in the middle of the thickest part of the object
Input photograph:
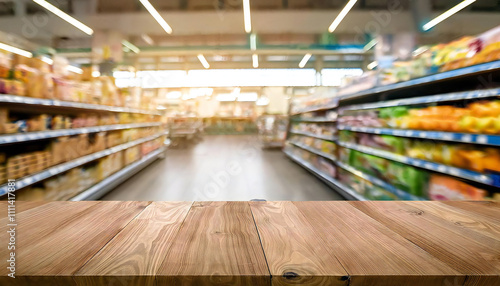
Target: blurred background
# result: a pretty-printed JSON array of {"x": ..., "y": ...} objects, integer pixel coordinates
[{"x": 250, "y": 99}]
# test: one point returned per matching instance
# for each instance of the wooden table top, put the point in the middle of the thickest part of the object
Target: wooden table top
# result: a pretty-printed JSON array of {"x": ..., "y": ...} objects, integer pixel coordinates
[{"x": 253, "y": 243}]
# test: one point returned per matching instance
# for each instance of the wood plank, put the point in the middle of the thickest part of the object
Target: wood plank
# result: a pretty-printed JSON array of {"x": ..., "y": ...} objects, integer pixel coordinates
[
  {"x": 67, "y": 235},
  {"x": 20, "y": 206},
  {"x": 371, "y": 253},
  {"x": 469, "y": 252},
  {"x": 294, "y": 253},
  {"x": 489, "y": 209},
  {"x": 218, "y": 244},
  {"x": 462, "y": 218},
  {"x": 135, "y": 254}
]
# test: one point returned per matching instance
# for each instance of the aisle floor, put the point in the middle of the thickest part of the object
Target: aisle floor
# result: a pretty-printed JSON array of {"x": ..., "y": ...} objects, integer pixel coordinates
[{"x": 223, "y": 168}]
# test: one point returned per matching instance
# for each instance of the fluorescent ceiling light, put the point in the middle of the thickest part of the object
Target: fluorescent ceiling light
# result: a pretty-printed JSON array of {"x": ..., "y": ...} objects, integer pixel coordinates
[
  {"x": 157, "y": 16},
  {"x": 203, "y": 61},
  {"x": 47, "y": 60},
  {"x": 304, "y": 60},
  {"x": 447, "y": 14},
  {"x": 16, "y": 50},
  {"x": 341, "y": 16},
  {"x": 255, "y": 61},
  {"x": 372, "y": 65},
  {"x": 84, "y": 28},
  {"x": 370, "y": 45},
  {"x": 74, "y": 69},
  {"x": 246, "y": 16},
  {"x": 147, "y": 39},
  {"x": 420, "y": 51},
  {"x": 131, "y": 46}
]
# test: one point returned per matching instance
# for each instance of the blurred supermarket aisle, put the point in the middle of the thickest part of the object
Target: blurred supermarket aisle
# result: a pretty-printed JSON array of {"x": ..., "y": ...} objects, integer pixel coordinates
[{"x": 224, "y": 168}]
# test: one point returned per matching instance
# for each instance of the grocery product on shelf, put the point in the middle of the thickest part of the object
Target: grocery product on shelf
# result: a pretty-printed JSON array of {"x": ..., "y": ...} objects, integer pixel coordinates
[
  {"x": 365, "y": 188},
  {"x": 443, "y": 188},
  {"x": 322, "y": 164},
  {"x": 272, "y": 130},
  {"x": 322, "y": 129},
  {"x": 320, "y": 145}
]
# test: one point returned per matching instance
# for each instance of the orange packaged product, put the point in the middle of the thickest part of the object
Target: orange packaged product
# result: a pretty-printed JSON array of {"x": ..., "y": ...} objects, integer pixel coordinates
[{"x": 443, "y": 188}]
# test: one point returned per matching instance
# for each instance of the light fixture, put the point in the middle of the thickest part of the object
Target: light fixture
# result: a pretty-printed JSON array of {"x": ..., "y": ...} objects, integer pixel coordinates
[
  {"x": 147, "y": 39},
  {"x": 304, "y": 60},
  {"x": 447, "y": 14},
  {"x": 341, "y": 16},
  {"x": 16, "y": 50},
  {"x": 372, "y": 65},
  {"x": 74, "y": 69},
  {"x": 225, "y": 97},
  {"x": 370, "y": 45},
  {"x": 131, "y": 46},
  {"x": 420, "y": 51},
  {"x": 248, "y": 97},
  {"x": 47, "y": 60},
  {"x": 246, "y": 16},
  {"x": 84, "y": 28},
  {"x": 255, "y": 61},
  {"x": 203, "y": 61},
  {"x": 157, "y": 16},
  {"x": 253, "y": 42}
]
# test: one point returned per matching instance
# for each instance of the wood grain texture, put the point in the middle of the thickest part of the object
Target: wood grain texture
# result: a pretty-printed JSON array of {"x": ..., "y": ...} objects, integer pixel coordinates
[
  {"x": 489, "y": 209},
  {"x": 469, "y": 252},
  {"x": 294, "y": 253},
  {"x": 462, "y": 218},
  {"x": 134, "y": 255},
  {"x": 20, "y": 206},
  {"x": 371, "y": 253},
  {"x": 56, "y": 239},
  {"x": 217, "y": 244}
]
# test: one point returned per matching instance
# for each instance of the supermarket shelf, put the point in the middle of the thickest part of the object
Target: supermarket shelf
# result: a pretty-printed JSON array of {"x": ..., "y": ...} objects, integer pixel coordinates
[
  {"x": 402, "y": 195},
  {"x": 454, "y": 96},
  {"x": 342, "y": 189},
  {"x": 15, "y": 99},
  {"x": 493, "y": 140},
  {"x": 314, "y": 119},
  {"x": 488, "y": 179},
  {"x": 31, "y": 136},
  {"x": 313, "y": 150},
  {"x": 322, "y": 137},
  {"x": 98, "y": 190},
  {"x": 443, "y": 76},
  {"x": 61, "y": 168},
  {"x": 332, "y": 103}
]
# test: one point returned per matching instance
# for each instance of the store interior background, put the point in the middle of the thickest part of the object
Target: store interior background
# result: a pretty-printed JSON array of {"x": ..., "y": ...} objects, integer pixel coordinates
[{"x": 218, "y": 70}]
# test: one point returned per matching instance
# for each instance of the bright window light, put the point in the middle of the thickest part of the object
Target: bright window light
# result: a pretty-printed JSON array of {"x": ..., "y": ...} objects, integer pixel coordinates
[
  {"x": 255, "y": 61},
  {"x": 333, "y": 77},
  {"x": 304, "y": 60},
  {"x": 370, "y": 45},
  {"x": 341, "y": 16},
  {"x": 157, "y": 16},
  {"x": 74, "y": 69},
  {"x": 248, "y": 96},
  {"x": 246, "y": 16},
  {"x": 226, "y": 97},
  {"x": 203, "y": 61},
  {"x": 84, "y": 28},
  {"x": 447, "y": 14},
  {"x": 174, "y": 95},
  {"x": 15, "y": 50},
  {"x": 131, "y": 46},
  {"x": 262, "y": 101}
]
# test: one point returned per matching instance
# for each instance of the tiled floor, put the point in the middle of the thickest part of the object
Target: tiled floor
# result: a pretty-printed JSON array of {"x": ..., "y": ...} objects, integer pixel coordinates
[{"x": 224, "y": 168}]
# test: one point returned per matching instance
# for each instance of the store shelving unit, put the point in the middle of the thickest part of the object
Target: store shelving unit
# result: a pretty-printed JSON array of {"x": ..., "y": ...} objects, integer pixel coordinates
[
  {"x": 465, "y": 84},
  {"x": 32, "y": 136},
  {"x": 61, "y": 168},
  {"x": 342, "y": 189},
  {"x": 22, "y": 100},
  {"x": 322, "y": 137},
  {"x": 313, "y": 120},
  {"x": 104, "y": 186},
  {"x": 402, "y": 195},
  {"x": 313, "y": 150},
  {"x": 331, "y": 104}
]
